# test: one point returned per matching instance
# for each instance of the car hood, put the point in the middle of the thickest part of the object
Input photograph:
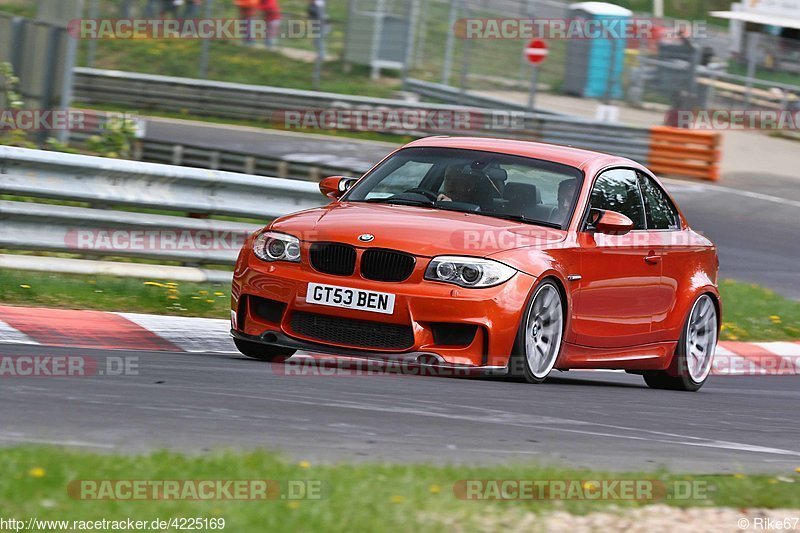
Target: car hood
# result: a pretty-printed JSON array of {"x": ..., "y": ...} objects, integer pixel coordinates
[{"x": 416, "y": 230}]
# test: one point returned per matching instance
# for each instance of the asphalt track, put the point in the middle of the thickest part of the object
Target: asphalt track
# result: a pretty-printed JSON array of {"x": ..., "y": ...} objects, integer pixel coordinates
[
  {"x": 198, "y": 402},
  {"x": 753, "y": 219}
]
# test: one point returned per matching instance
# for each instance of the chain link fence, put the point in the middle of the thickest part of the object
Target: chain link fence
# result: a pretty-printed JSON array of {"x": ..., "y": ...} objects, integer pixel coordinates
[
  {"x": 293, "y": 35},
  {"x": 443, "y": 56},
  {"x": 679, "y": 71},
  {"x": 424, "y": 40},
  {"x": 761, "y": 77}
]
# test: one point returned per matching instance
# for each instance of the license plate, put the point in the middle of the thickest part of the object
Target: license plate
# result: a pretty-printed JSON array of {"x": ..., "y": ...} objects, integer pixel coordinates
[{"x": 333, "y": 296}]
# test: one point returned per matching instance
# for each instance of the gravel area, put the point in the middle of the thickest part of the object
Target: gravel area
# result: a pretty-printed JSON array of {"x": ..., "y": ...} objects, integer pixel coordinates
[
  {"x": 648, "y": 519},
  {"x": 662, "y": 518}
]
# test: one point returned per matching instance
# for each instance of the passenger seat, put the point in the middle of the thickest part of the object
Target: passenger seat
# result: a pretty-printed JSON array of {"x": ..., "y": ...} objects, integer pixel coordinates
[{"x": 525, "y": 199}]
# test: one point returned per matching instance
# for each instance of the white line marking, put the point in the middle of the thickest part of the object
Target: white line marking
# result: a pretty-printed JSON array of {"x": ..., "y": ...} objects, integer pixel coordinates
[
  {"x": 13, "y": 336},
  {"x": 721, "y": 350},
  {"x": 33, "y": 440},
  {"x": 188, "y": 333},
  {"x": 784, "y": 349},
  {"x": 685, "y": 186},
  {"x": 499, "y": 417}
]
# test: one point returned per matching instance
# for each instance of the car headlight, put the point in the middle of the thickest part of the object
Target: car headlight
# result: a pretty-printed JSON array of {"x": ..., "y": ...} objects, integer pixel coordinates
[
  {"x": 468, "y": 271},
  {"x": 274, "y": 246}
]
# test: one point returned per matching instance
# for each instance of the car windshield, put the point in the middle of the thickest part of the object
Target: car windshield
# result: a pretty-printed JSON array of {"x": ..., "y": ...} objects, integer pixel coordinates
[{"x": 491, "y": 184}]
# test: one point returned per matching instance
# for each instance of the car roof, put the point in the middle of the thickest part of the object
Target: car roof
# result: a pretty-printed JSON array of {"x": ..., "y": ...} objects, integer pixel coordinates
[{"x": 567, "y": 155}]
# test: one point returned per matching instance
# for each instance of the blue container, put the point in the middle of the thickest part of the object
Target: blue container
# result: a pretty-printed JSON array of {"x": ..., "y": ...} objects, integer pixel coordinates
[{"x": 595, "y": 65}]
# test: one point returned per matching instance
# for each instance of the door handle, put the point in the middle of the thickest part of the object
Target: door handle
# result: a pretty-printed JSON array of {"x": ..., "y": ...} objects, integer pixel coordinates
[{"x": 653, "y": 259}]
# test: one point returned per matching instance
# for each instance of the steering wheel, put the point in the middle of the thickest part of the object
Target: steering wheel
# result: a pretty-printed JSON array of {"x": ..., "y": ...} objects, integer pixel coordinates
[{"x": 424, "y": 192}]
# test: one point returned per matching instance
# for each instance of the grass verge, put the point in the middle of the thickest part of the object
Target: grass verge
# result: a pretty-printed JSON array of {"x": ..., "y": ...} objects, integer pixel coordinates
[
  {"x": 750, "y": 312},
  {"x": 108, "y": 293},
  {"x": 362, "y": 497}
]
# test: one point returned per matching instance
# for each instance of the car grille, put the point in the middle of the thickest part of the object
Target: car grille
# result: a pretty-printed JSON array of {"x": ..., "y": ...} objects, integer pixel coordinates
[
  {"x": 350, "y": 332},
  {"x": 332, "y": 258},
  {"x": 386, "y": 265}
]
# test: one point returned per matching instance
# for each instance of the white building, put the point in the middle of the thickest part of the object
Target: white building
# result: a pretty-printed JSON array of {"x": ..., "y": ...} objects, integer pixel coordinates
[{"x": 777, "y": 22}]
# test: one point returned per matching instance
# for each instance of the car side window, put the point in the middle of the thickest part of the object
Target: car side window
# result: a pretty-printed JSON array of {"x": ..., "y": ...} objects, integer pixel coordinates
[
  {"x": 618, "y": 190},
  {"x": 661, "y": 214}
]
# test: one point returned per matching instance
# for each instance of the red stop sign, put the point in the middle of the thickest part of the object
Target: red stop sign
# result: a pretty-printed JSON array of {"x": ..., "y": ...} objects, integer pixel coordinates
[{"x": 536, "y": 51}]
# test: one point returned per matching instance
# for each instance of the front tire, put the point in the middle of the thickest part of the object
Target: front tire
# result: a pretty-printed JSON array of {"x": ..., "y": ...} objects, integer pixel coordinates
[
  {"x": 263, "y": 352},
  {"x": 694, "y": 355},
  {"x": 541, "y": 331}
]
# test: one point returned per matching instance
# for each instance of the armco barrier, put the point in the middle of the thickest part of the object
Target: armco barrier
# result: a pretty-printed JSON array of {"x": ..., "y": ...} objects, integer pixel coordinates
[
  {"x": 142, "y": 92},
  {"x": 684, "y": 153},
  {"x": 115, "y": 189},
  {"x": 453, "y": 95},
  {"x": 103, "y": 181},
  {"x": 668, "y": 151},
  {"x": 677, "y": 152}
]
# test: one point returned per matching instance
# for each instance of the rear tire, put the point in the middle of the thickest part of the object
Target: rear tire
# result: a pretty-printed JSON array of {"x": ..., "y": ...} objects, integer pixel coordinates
[
  {"x": 263, "y": 352},
  {"x": 540, "y": 335},
  {"x": 694, "y": 354}
]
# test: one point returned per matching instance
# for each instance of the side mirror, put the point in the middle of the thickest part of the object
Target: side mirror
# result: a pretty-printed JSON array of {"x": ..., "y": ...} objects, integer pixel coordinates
[
  {"x": 335, "y": 186},
  {"x": 612, "y": 223}
]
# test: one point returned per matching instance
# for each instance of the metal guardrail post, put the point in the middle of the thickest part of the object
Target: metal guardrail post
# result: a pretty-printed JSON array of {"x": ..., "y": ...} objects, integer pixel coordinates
[
  {"x": 466, "y": 56},
  {"x": 752, "y": 60},
  {"x": 91, "y": 47},
  {"x": 177, "y": 155},
  {"x": 447, "y": 67},
  {"x": 205, "y": 46}
]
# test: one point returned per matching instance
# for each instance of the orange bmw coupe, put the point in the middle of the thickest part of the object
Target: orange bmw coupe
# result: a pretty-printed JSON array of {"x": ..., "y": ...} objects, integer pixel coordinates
[{"x": 503, "y": 256}]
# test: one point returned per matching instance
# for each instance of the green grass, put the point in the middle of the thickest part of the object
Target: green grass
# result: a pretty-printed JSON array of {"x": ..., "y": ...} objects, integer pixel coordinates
[
  {"x": 735, "y": 67},
  {"x": 18, "y": 8},
  {"x": 682, "y": 9},
  {"x": 750, "y": 312},
  {"x": 363, "y": 497},
  {"x": 107, "y": 293},
  {"x": 231, "y": 62}
]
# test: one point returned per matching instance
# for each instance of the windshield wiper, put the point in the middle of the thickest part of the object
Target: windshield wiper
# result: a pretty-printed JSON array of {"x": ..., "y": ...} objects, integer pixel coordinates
[
  {"x": 443, "y": 207},
  {"x": 400, "y": 201},
  {"x": 521, "y": 218}
]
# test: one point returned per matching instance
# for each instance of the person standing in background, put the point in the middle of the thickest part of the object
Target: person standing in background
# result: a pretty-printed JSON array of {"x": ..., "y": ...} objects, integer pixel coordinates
[
  {"x": 316, "y": 13},
  {"x": 125, "y": 9},
  {"x": 152, "y": 9},
  {"x": 162, "y": 8},
  {"x": 192, "y": 9},
  {"x": 247, "y": 9},
  {"x": 170, "y": 7},
  {"x": 272, "y": 16}
]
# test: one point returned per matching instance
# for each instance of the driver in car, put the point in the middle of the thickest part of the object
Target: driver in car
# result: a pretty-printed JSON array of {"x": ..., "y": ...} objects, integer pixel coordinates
[
  {"x": 566, "y": 191},
  {"x": 459, "y": 186}
]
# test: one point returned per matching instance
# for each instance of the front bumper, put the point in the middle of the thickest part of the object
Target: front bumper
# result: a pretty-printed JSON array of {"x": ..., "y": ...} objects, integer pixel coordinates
[
  {"x": 419, "y": 304},
  {"x": 409, "y": 360}
]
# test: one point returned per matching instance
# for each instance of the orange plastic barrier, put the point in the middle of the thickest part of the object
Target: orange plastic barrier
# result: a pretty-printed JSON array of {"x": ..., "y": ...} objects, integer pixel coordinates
[{"x": 685, "y": 153}]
